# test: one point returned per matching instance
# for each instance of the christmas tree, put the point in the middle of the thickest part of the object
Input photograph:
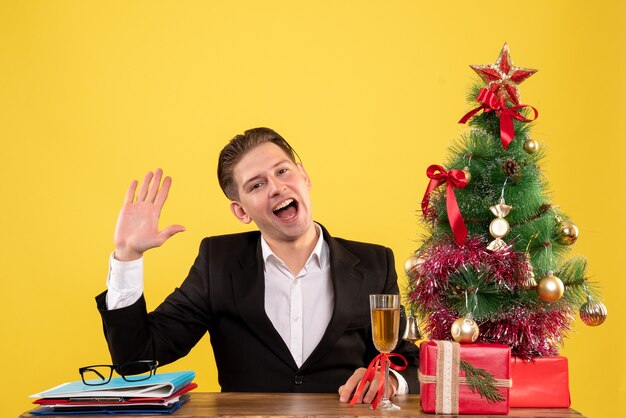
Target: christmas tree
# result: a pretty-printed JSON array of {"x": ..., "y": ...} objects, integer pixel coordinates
[{"x": 493, "y": 264}]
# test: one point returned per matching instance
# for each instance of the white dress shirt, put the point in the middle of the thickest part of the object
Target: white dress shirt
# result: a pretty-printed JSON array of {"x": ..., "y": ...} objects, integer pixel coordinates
[{"x": 299, "y": 306}]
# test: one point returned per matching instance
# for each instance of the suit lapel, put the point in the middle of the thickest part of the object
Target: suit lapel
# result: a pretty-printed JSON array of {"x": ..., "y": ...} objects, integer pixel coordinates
[
  {"x": 249, "y": 291},
  {"x": 347, "y": 282}
]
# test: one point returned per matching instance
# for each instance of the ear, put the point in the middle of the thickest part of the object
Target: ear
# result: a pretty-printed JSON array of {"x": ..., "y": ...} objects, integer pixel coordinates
[
  {"x": 239, "y": 212},
  {"x": 305, "y": 175}
]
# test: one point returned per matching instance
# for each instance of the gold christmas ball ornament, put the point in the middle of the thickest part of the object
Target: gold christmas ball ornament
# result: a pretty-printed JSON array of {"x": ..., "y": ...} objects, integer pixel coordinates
[
  {"x": 550, "y": 288},
  {"x": 531, "y": 146},
  {"x": 464, "y": 330},
  {"x": 593, "y": 313},
  {"x": 468, "y": 175},
  {"x": 567, "y": 233},
  {"x": 412, "y": 264}
]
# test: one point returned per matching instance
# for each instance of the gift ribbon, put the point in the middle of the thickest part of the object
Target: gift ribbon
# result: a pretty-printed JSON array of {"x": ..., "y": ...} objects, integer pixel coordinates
[
  {"x": 378, "y": 365},
  {"x": 490, "y": 103},
  {"x": 453, "y": 179},
  {"x": 447, "y": 378}
]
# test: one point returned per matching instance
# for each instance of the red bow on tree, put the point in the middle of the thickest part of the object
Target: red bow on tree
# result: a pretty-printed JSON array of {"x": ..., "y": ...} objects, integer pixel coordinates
[
  {"x": 454, "y": 179},
  {"x": 490, "y": 102}
]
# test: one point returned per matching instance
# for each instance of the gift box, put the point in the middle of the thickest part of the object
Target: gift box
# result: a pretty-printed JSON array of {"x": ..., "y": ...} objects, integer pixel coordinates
[
  {"x": 443, "y": 385},
  {"x": 540, "y": 383}
]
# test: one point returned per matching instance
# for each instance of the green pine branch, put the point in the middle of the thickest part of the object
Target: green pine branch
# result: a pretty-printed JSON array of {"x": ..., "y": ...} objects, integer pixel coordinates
[
  {"x": 481, "y": 381},
  {"x": 472, "y": 293},
  {"x": 577, "y": 287}
]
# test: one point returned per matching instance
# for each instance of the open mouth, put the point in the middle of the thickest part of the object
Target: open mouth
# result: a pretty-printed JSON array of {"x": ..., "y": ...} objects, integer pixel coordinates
[{"x": 286, "y": 210}]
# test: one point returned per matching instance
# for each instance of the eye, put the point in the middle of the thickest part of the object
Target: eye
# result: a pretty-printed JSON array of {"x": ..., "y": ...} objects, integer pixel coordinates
[
  {"x": 282, "y": 170},
  {"x": 256, "y": 186}
]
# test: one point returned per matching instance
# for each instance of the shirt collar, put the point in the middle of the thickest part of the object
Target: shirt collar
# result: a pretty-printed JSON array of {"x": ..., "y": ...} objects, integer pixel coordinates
[{"x": 320, "y": 253}]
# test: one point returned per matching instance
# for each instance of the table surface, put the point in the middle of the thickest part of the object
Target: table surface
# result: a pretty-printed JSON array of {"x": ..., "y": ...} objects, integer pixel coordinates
[{"x": 203, "y": 404}]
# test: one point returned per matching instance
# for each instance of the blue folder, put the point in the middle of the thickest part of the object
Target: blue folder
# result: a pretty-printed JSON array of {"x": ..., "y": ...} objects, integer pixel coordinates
[
  {"x": 159, "y": 385},
  {"x": 112, "y": 410}
]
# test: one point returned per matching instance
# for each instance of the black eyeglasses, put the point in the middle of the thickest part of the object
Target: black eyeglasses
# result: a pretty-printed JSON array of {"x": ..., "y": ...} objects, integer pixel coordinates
[{"x": 135, "y": 371}]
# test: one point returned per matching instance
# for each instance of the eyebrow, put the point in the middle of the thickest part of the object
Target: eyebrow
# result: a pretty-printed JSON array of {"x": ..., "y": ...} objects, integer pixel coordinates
[{"x": 258, "y": 176}]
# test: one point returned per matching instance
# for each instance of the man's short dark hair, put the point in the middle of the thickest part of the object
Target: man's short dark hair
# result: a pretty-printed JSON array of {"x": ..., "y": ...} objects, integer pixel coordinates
[{"x": 234, "y": 151}]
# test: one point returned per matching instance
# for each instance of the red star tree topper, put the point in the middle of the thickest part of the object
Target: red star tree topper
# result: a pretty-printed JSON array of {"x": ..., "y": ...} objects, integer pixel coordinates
[{"x": 503, "y": 77}]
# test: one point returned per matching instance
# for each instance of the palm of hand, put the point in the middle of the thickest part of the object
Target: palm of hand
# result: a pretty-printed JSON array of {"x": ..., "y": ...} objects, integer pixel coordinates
[{"x": 137, "y": 228}]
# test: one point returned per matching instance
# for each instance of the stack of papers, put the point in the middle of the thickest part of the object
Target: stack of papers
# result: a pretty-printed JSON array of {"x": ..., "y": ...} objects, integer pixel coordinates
[{"x": 161, "y": 394}]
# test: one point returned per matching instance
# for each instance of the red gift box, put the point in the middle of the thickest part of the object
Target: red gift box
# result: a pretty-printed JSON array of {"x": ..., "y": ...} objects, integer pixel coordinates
[
  {"x": 443, "y": 389},
  {"x": 540, "y": 383}
]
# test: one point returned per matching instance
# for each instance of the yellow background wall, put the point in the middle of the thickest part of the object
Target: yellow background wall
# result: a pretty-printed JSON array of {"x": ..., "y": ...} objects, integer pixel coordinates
[{"x": 95, "y": 93}]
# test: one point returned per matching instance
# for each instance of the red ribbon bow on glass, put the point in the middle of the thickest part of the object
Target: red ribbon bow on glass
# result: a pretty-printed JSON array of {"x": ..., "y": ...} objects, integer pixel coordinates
[
  {"x": 378, "y": 365},
  {"x": 490, "y": 102},
  {"x": 453, "y": 178}
]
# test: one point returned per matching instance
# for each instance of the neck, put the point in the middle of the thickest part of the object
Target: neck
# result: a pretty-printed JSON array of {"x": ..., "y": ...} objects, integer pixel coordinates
[{"x": 296, "y": 252}]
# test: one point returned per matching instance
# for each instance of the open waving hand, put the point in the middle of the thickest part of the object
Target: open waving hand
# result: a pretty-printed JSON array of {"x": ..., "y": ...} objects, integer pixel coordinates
[{"x": 137, "y": 228}]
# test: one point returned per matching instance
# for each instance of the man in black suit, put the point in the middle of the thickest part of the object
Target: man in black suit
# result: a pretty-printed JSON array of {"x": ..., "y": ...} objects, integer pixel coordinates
[{"x": 286, "y": 307}]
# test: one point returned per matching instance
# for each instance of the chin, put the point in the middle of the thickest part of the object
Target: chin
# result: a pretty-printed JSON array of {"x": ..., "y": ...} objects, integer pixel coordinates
[{"x": 296, "y": 229}]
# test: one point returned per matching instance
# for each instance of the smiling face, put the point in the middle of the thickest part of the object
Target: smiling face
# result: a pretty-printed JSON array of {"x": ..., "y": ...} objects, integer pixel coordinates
[{"x": 274, "y": 194}]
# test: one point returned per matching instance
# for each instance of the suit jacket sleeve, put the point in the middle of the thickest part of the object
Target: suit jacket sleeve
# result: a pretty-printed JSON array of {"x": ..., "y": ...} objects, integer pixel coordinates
[{"x": 170, "y": 331}]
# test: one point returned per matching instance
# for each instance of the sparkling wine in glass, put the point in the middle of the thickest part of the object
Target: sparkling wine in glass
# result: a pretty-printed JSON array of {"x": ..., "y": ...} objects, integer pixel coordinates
[{"x": 385, "y": 310}]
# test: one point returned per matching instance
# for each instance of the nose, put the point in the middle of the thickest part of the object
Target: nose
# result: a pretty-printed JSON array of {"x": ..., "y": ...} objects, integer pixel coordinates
[{"x": 276, "y": 185}]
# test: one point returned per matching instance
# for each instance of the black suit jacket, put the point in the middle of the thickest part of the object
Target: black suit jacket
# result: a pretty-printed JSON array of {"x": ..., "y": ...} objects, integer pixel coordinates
[{"x": 224, "y": 295}]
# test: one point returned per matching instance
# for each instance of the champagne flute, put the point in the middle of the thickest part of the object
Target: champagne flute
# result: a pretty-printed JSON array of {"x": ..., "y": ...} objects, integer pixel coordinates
[{"x": 385, "y": 310}]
